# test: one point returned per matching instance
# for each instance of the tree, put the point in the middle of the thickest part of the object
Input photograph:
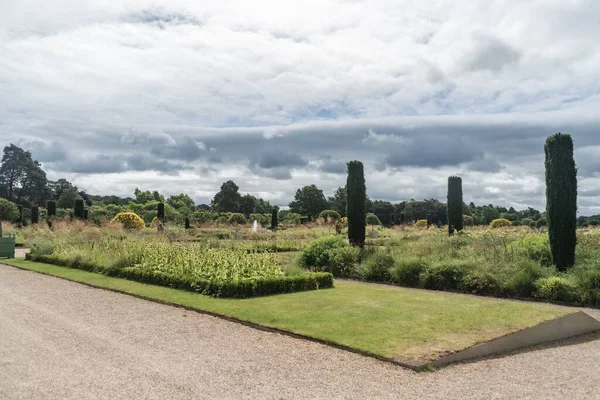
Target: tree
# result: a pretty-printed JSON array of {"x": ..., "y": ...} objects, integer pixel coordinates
[
  {"x": 67, "y": 198},
  {"x": 561, "y": 199},
  {"x": 383, "y": 210},
  {"x": 337, "y": 202},
  {"x": 22, "y": 179},
  {"x": 247, "y": 205},
  {"x": 147, "y": 196},
  {"x": 79, "y": 208},
  {"x": 455, "y": 204},
  {"x": 181, "y": 200},
  {"x": 228, "y": 198},
  {"x": 356, "y": 209},
  {"x": 8, "y": 210},
  {"x": 274, "y": 221},
  {"x": 309, "y": 201}
]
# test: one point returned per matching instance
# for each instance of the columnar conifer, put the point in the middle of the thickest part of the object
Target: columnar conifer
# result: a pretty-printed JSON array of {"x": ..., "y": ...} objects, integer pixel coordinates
[
  {"x": 35, "y": 215},
  {"x": 561, "y": 199},
  {"x": 51, "y": 206},
  {"x": 356, "y": 203},
  {"x": 274, "y": 215},
  {"x": 161, "y": 212},
  {"x": 455, "y": 204}
]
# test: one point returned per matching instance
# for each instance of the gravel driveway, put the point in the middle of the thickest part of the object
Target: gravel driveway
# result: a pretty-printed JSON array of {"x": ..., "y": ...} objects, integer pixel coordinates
[{"x": 59, "y": 339}]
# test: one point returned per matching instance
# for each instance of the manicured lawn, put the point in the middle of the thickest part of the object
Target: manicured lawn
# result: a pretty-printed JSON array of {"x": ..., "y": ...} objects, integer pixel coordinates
[{"x": 406, "y": 324}]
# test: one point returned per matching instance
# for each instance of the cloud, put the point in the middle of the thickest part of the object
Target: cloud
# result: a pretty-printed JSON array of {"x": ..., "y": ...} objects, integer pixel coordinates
[{"x": 181, "y": 96}]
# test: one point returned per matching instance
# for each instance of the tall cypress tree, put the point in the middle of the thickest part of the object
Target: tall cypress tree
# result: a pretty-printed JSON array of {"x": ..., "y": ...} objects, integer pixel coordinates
[
  {"x": 35, "y": 215},
  {"x": 455, "y": 205},
  {"x": 20, "y": 221},
  {"x": 86, "y": 214},
  {"x": 51, "y": 206},
  {"x": 561, "y": 199},
  {"x": 392, "y": 219},
  {"x": 274, "y": 215},
  {"x": 161, "y": 212},
  {"x": 356, "y": 208},
  {"x": 79, "y": 207},
  {"x": 187, "y": 223}
]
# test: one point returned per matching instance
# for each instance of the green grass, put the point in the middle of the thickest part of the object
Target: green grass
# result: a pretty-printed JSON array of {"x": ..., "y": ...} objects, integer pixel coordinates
[{"x": 406, "y": 324}]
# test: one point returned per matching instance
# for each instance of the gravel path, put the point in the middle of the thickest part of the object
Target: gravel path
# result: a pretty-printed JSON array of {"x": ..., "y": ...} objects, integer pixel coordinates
[{"x": 59, "y": 339}]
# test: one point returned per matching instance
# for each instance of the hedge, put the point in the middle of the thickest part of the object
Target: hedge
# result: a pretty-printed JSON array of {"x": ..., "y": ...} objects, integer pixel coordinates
[{"x": 242, "y": 288}]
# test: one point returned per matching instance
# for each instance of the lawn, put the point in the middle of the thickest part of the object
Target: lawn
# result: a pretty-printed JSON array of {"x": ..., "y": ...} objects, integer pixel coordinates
[{"x": 408, "y": 325}]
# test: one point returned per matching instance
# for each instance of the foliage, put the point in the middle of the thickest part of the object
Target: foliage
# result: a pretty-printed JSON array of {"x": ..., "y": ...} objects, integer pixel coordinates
[
  {"x": 555, "y": 288},
  {"x": 228, "y": 198},
  {"x": 68, "y": 198},
  {"x": 372, "y": 219},
  {"x": 356, "y": 207},
  {"x": 561, "y": 199},
  {"x": 500, "y": 223},
  {"x": 22, "y": 179},
  {"x": 468, "y": 220},
  {"x": 377, "y": 267},
  {"x": 129, "y": 220},
  {"x": 8, "y": 211},
  {"x": 160, "y": 211},
  {"x": 422, "y": 223},
  {"x": 51, "y": 206},
  {"x": 79, "y": 207},
  {"x": 338, "y": 201},
  {"x": 309, "y": 201},
  {"x": 330, "y": 215},
  {"x": 247, "y": 204},
  {"x": 316, "y": 254},
  {"x": 455, "y": 204},
  {"x": 274, "y": 222},
  {"x": 342, "y": 261},
  {"x": 237, "y": 219},
  {"x": 407, "y": 272},
  {"x": 35, "y": 215},
  {"x": 444, "y": 275}
]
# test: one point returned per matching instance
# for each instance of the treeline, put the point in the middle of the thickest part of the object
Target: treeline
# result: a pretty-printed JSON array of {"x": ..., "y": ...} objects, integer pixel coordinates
[{"x": 24, "y": 182}]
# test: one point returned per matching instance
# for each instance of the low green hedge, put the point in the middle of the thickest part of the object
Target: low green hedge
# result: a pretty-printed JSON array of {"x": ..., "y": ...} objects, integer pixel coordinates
[{"x": 239, "y": 289}]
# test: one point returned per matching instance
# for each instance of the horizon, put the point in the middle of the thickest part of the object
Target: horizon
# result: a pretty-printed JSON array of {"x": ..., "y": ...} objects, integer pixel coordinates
[{"x": 181, "y": 97}]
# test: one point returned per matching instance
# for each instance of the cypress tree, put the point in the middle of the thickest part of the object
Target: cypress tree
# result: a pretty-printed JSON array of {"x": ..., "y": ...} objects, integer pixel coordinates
[
  {"x": 187, "y": 223},
  {"x": 392, "y": 219},
  {"x": 561, "y": 199},
  {"x": 356, "y": 203},
  {"x": 455, "y": 204},
  {"x": 86, "y": 214},
  {"x": 79, "y": 207},
  {"x": 161, "y": 212},
  {"x": 35, "y": 215},
  {"x": 274, "y": 215},
  {"x": 51, "y": 206},
  {"x": 20, "y": 221}
]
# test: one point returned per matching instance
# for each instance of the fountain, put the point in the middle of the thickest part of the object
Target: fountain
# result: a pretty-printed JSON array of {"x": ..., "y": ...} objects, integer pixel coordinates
[{"x": 254, "y": 226}]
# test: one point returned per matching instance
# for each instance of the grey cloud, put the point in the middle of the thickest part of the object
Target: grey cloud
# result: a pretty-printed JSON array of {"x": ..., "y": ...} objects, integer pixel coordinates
[
  {"x": 281, "y": 159},
  {"x": 43, "y": 151},
  {"x": 161, "y": 18},
  {"x": 491, "y": 54},
  {"x": 186, "y": 149}
]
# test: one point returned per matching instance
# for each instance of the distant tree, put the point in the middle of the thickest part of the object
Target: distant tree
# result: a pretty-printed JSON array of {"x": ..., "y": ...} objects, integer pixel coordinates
[
  {"x": 309, "y": 201},
  {"x": 274, "y": 222},
  {"x": 455, "y": 204},
  {"x": 67, "y": 198},
  {"x": 488, "y": 214},
  {"x": 247, "y": 205},
  {"x": 262, "y": 206},
  {"x": 382, "y": 209},
  {"x": 561, "y": 199},
  {"x": 22, "y": 179},
  {"x": 181, "y": 200},
  {"x": 79, "y": 208},
  {"x": 356, "y": 209},
  {"x": 228, "y": 198},
  {"x": 147, "y": 196},
  {"x": 337, "y": 202}
]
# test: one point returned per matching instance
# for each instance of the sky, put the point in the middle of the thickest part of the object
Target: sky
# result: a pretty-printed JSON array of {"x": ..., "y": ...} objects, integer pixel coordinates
[{"x": 180, "y": 96}]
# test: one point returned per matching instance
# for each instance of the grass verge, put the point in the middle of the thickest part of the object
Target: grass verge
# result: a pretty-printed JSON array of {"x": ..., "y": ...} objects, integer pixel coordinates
[{"x": 408, "y": 325}]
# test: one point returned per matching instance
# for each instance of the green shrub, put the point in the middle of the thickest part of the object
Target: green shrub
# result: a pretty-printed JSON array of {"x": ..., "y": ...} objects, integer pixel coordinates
[
  {"x": 377, "y": 267},
  {"x": 372, "y": 219},
  {"x": 555, "y": 288},
  {"x": 79, "y": 207},
  {"x": 516, "y": 223},
  {"x": 481, "y": 283},
  {"x": 406, "y": 272},
  {"x": 468, "y": 220},
  {"x": 500, "y": 223},
  {"x": 343, "y": 261},
  {"x": 129, "y": 220},
  {"x": 237, "y": 219},
  {"x": 588, "y": 284},
  {"x": 422, "y": 223},
  {"x": 444, "y": 275},
  {"x": 51, "y": 206},
  {"x": 522, "y": 282},
  {"x": 330, "y": 215},
  {"x": 540, "y": 223},
  {"x": 316, "y": 255},
  {"x": 535, "y": 247},
  {"x": 8, "y": 211}
]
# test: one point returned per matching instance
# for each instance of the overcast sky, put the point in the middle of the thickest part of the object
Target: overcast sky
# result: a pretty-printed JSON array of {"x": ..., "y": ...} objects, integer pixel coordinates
[{"x": 180, "y": 96}]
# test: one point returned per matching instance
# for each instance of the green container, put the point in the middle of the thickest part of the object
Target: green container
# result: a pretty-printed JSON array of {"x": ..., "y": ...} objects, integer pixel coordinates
[{"x": 7, "y": 247}]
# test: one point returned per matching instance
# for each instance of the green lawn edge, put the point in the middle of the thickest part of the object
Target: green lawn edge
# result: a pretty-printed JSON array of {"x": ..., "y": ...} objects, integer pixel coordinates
[{"x": 407, "y": 326}]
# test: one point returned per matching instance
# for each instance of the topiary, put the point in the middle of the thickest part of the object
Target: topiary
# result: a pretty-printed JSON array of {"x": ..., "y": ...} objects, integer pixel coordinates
[
  {"x": 455, "y": 205},
  {"x": 237, "y": 219},
  {"x": 79, "y": 207},
  {"x": 500, "y": 223},
  {"x": 422, "y": 223},
  {"x": 468, "y": 220},
  {"x": 35, "y": 215},
  {"x": 541, "y": 223},
  {"x": 372, "y": 219},
  {"x": 330, "y": 215},
  {"x": 129, "y": 220},
  {"x": 356, "y": 206},
  {"x": 51, "y": 206}
]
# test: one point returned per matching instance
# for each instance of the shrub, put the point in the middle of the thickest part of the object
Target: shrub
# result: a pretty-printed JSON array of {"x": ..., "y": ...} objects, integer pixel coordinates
[
  {"x": 372, "y": 219},
  {"x": 356, "y": 209},
  {"x": 129, "y": 220},
  {"x": 541, "y": 223},
  {"x": 330, "y": 215},
  {"x": 536, "y": 247},
  {"x": 406, "y": 272},
  {"x": 555, "y": 288},
  {"x": 316, "y": 254},
  {"x": 342, "y": 261},
  {"x": 561, "y": 199},
  {"x": 500, "y": 223},
  {"x": 481, "y": 283},
  {"x": 444, "y": 275},
  {"x": 527, "y": 221},
  {"x": 588, "y": 285},
  {"x": 422, "y": 223},
  {"x": 522, "y": 282},
  {"x": 237, "y": 219},
  {"x": 377, "y": 267},
  {"x": 8, "y": 210},
  {"x": 455, "y": 204},
  {"x": 468, "y": 220}
]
